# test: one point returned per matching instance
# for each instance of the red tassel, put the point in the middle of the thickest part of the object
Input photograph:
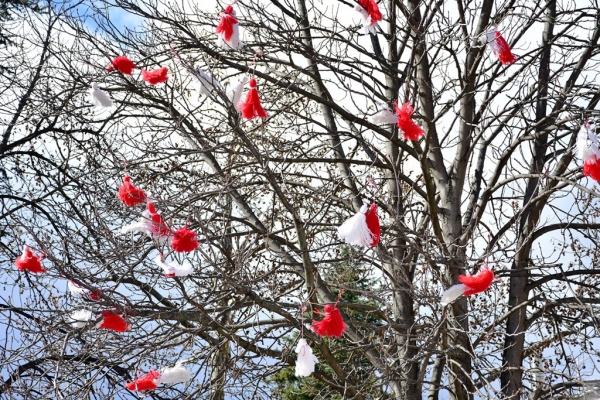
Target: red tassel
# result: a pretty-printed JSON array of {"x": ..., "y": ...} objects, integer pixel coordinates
[
  {"x": 29, "y": 262},
  {"x": 123, "y": 64},
  {"x": 159, "y": 227},
  {"x": 113, "y": 322},
  {"x": 184, "y": 240},
  {"x": 251, "y": 107},
  {"x": 480, "y": 282},
  {"x": 331, "y": 325},
  {"x": 502, "y": 49},
  {"x": 227, "y": 23},
  {"x": 410, "y": 129},
  {"x": 159, "y": 75},
  {"x": 372, "y": 9},
  {"x": 591, "y": 168},
  {"x": 373, "y": 225},
  {"x": 148, "y": 382},
  {"x": 129, "y": 194}
]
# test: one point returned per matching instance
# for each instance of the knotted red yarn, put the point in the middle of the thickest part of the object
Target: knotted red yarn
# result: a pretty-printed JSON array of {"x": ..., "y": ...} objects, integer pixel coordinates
[
  {"x": 113, "y": 322},
  {"x": 158, "y": 226},
  {"x": 29, "y": 262},
  {"x": 123, "y": 64},
  {"x": 480, "y": 282},
  {"x": 372, "y": 9},
  {"x": 159, "y": 75},
  {"x": 373, "y": 225},
  {"x": 184, "y": 240},
  {"x": 251, "y": 107},
  {"x": 148, "y": 382},
  {"x": 591, "y": 168},
  {"x": 129, "y": 194},
  {"x": 411, "y": 130},
  {"x": 502, "y": 49},
  {"x": 332, "y": 325},
  {"x": 227, "y": 23}
]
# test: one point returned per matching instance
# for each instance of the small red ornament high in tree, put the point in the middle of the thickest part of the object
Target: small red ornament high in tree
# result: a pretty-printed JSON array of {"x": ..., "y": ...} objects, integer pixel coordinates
[
  {"x": 129, "y": 194},
  {"x": 123, "y": 64},
  {"x": 251, "y": 107},
  {"x": 29, "y": 262},
  {"x": 332, "y": 325}
]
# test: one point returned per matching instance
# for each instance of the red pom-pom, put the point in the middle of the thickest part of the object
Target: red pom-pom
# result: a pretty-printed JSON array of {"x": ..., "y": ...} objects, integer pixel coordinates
[
  {"x": 129, "y": 194},
  {"x": 227, "y": 23},
  {"x": 591, "y": 168},
  {"x": 372, "y": 9},
  {"x": 123, "y": 64},
  {"x": 159, "y": 75},
  {"x": 158, "y": 227},
  {"x": 502, "y": 49},
  {"x": 184, "y": 240},
  {"x": 373, "y": 225},
  {"x": 148, "y": 382},
  {"x": 29, "y": 262},
  {"x": 332, "y": 325},
  {"x": 113, "y": 322},
  {"x": 480, "y": 282},
  {"x": 411, "y": 130},
  {"x": 251, "y": 107}
]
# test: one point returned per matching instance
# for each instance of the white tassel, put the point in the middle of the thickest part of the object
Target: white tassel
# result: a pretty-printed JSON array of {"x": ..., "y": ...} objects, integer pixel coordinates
[
  {"x": 77, "y": 290},
  {"x": 207, "y": 82},
  {"x": 237, "y": 89},
  {"x": 452, "y": 293},
  {"x": 355, "y": 230},
  {"x": 305, "y": 364},
  {"x": 587, "y": 143},
  {"x": 176, "y": 374},
  {"x": 78, "y": 319},
  {"x": 384, "y": 116},
  {"x": 235, "y": 43},
  {"x": 98, "y": 97},
  {"x": 365, "y": 19},
  {"x": 173, "y": 269}
]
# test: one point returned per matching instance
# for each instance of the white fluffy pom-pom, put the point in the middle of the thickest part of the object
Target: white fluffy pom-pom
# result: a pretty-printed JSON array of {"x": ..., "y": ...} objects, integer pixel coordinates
[
  {"x": 305, "y": 364},
  {"x": 452, "y": 293},
  {"x": 78, "y": 319},
  {"x": 355, "y": 230},
  {"x": 587, "y": 143},
  {"x": 384, "y": 116},
  {"x": 98, "y": 97},
  {"x": 236, "y": 91},
  {"x": 173, "y": 269},
  {"x": 176, "y": 374},
  {"x": 143, "y": 225}
]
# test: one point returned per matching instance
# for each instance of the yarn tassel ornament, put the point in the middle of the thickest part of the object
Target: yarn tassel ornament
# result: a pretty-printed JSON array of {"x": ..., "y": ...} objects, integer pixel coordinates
[
  {"x": 29, "y": 262},
  {"x": 587, "y": 146},
  {"x": 148, "y": 382},
  {"x": 112, "y": 321},
  {"x": 370, "y": 14},
  {"x": 500, "y": 47},
  {"x": 228, "y": 30},
  {"x": 122, "y": 64},
  {"x": 384, "y": 115},
  {"x": 98, "y": 97},
  {"x": 251, "y": 107},
  {"x": 305, "y": 364},
  {"x": 410, "y": 129},
  {"x": 236, "y": 91},
  {"x": 363, "y": 229},
  {"x": 184, "y": 240},
  {"x": 332, "y": 324},
  {"x": 469, "y": 285},
  {"x": 157, "y": 76},
  {"x": 129, "y": 194},
  {"x": 173, "y": 269},
  {"x": 79, "y": 291},
  {"x": 208, "y": 83},
  {"x": 176, "y": 374},
  {"x": 79, "y": 319}
]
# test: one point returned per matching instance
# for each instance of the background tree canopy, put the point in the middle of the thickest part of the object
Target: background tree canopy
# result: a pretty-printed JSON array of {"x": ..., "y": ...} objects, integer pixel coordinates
[{"x": 494, "y": 179}]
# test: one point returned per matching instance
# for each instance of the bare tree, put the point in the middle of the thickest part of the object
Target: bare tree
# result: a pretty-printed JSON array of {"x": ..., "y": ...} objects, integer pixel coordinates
[{"x": 494, "y": 180}]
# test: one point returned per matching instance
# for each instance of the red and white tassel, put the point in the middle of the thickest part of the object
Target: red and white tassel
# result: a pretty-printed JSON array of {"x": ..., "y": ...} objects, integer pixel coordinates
[
  {"x": 129, "y": 194},
  {"x": 228, "y": 30},
  {"x": 469, "y": 285},
  {"x": 331, "y": 325},
  {"x": 251, "y": 107},
  {"x": 384, "y": 115},
  {"x": 148, "y": 382},
  {"x": 78, "y": 291},
  {"x": 587, "y": 146},
  {"x": 79, "y": 319},
  {"x": 363, "y": 229},
  {"x": 28, "y": 261},
  {"x": 370, "y": 14},
  {"x": 122, "y": 64},
  {"x": 410, "y": 129},
  {"x": 500, "y": 47},
  {"x": 156, "y": 76},
  {"x": 305, "y": 364},
  {"x": 173, "y": 269},
  {"x": 113, "y": 322},
  {"x": 184, "y": 240},
  {"x": 98, "y": 97}
]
